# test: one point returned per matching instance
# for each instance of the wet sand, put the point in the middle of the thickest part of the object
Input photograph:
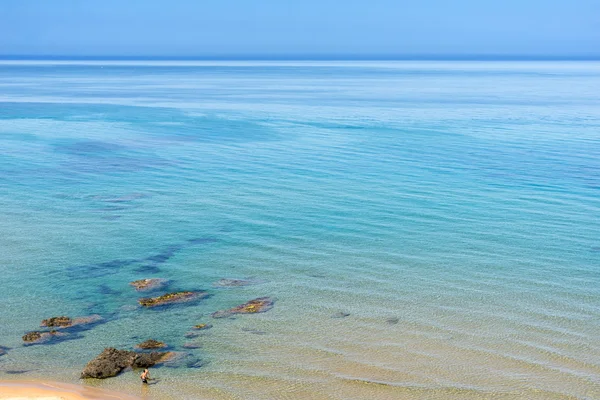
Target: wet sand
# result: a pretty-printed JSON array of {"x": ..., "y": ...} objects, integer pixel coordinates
[{"x": 25, "y": 390}]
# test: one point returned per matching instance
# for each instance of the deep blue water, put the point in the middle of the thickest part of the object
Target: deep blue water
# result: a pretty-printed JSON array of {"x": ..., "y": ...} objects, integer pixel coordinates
[{"x": 452, "y": 209}]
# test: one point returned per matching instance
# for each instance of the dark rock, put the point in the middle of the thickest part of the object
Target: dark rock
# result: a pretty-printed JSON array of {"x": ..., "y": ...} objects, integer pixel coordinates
[
  {"x": 36, "y": 337},
  {"x": 171, "y": 298},
  {"x": 109, "y": 363},
  {"x": 32, "y": 336},
  {"x": 151, "y": 344},
  {"x": 112, "y": 361},
  {"x": 147, "y": 360},
  {"x": 259, "y": 305},
  {"x": 57, "y": 322},
  {"x": 64, "y": 322},
  {"x": 191, "y": 335},
  {"x": 3, "y": 350},
  {"x": 393, "y": 320},
  {"x": 17, "y": 371}
]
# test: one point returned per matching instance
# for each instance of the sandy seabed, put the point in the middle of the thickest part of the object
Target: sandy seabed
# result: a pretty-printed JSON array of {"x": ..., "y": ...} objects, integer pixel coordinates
[{"x": 26, "y": 390}]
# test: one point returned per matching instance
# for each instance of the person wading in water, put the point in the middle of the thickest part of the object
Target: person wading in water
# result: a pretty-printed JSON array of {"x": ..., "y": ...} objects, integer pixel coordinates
[{"x": 145, "y": 376}]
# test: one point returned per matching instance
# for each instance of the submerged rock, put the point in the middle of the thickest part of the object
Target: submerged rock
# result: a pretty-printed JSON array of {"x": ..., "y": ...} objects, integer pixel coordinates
[
  {"x": 17, "y": 371},
  {"x": 202, "y": 326},
  {"x": 3, "y": 350},
  {"x": 191, "y": 345},
  {"x": 259, "y": 305},
  {"x": 148, "y": 284},
  {"x": 151, "y": 344},
  {"x": 191, "y": 335},
  {"x": 112, "y": 361},
  {"x": 225, "y": 282},
  {"x": 171, "y": 298},
  {"x": 340, "y": 314}
]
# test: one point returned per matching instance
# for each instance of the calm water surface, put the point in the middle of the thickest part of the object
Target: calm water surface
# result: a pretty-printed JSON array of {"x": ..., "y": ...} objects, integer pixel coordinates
[{"x": 428, "y": 230}]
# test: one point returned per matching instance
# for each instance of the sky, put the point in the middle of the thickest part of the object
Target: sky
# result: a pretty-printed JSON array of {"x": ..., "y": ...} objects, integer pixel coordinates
[{"x": 204, "y": 28}]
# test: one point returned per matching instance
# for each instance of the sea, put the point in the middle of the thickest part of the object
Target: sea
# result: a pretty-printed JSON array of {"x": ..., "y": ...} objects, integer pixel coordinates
[{"x": 425, "y": 229}]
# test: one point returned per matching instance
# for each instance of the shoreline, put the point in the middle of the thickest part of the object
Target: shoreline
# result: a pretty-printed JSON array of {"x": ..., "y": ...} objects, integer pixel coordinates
[{"x": 46, "y": 390}]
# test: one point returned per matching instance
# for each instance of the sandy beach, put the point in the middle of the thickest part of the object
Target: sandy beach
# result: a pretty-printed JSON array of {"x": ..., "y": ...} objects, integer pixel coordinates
[{"x": 26, "y": 390}]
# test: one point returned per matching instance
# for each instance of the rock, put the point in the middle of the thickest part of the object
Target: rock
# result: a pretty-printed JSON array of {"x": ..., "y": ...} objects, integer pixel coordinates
[
  {"x": 259, "y": 305},
  {"x": 66, "y": 322},
  {"x": 147, "y": 360},
  {"x": 112, "y": 361},
  {"x": 392, "y": 320},
  {"x": 3, "y": 350},
  {"x": 196, "y": 363},
  {"x": 32, "y": 336},
  {"x": 232, "y": 282},
  {"x": 109, "y": 363},
  {"x": 179, "y": 359},
  {"x": 191, "y": 345},
  {"x": 148, "y": 284},
  {"x": 191, "y": 335},
  {"x": 89, "y": 320},
  {"x": 36, "y": 337},
  {"x": 202, "y": 326},
  {"x": 151, "y": 344},
  {"x": 57, "y": 322},
  {"x": 171, "y": 298},
  {"x": 340, "y": 314}
]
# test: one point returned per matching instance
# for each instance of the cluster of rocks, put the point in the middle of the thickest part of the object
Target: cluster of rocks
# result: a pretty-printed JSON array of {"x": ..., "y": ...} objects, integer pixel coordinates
[
  {"x": 63, "y": 328},
  {"x": 113, "y": 361}
]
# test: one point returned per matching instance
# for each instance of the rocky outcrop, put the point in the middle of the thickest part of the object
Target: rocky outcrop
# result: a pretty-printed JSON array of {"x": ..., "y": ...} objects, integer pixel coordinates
[
  {"x": 37, "y": 337},
  {"x": 171, "y": 298},
  {"x": 259, "y": 305},
  {"x": 57, "y": 322},
  {"x": 67, "y": 322},
  {"x": 111, "y": 362},
  {"x": 148, "y": 284},
  {"x": 151, "y": 344}
]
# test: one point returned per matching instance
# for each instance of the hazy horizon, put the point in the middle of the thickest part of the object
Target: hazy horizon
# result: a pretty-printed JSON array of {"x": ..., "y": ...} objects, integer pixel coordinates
[{"x": 324, "y": 28}]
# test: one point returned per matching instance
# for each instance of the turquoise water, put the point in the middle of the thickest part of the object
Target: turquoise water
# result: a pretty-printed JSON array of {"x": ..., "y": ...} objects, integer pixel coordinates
[{"x": 452, "y": 209}]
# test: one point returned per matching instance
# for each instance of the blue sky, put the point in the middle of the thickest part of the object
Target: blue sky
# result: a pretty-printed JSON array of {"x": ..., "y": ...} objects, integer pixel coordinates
[{"x": 307, "y": 27}]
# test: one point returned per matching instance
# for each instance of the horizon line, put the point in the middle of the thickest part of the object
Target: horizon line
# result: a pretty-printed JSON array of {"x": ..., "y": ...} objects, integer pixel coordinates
[{"x": 305, "y": 57}]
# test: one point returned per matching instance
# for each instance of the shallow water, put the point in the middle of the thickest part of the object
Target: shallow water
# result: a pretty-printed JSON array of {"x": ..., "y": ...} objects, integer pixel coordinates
[{"x": 451, "y": 209}]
